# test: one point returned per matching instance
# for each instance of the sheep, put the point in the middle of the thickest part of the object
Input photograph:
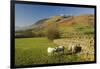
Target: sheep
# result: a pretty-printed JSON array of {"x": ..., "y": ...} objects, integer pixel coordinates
[
  {"x": 75, "y": 48},
  {"x": 58, "y": 49},
  {"x": 51, "y": 50}
]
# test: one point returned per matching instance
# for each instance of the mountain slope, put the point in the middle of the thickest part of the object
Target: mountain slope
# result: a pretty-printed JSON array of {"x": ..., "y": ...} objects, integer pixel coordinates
[{"x": 67, "y": 25}]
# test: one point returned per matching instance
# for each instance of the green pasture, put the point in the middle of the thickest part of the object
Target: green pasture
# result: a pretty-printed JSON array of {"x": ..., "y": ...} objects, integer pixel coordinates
[{"x": 30, "y": 51}]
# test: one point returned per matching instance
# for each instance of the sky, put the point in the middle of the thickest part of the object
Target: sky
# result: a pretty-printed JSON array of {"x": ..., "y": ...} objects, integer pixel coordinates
[{"x": 26, "y": 14}]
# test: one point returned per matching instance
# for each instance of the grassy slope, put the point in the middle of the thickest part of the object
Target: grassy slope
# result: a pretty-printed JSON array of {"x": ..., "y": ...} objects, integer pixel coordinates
[{"x": 82, "y": 24}]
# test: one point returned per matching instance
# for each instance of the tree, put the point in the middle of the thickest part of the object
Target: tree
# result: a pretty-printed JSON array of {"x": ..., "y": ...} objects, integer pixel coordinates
[{"x": 53, "y": 33}]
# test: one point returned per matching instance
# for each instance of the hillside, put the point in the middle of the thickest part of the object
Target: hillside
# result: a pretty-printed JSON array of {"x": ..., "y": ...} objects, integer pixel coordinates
[
  {"x": 67, "y": 25},
  {"x": 70, "y": 24}
]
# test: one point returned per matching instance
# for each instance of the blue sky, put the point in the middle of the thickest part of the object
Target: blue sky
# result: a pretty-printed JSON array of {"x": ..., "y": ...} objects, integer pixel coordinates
[{"x": 26, "y": 14}]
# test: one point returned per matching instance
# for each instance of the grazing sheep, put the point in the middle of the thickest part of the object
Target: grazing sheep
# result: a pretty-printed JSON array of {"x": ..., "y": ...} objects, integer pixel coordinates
[
  {"x": 51, "y": 50},
  {"x": 75, "y": 48},
  {"x": 58, "y": 49}
]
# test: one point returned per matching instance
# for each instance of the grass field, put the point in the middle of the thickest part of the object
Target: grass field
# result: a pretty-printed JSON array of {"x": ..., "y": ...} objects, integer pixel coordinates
[{"x": 30, "y": 51}]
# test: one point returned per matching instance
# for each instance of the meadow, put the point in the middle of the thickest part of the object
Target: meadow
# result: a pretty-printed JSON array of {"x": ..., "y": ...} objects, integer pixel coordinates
[{"x": 30, "y": 51}]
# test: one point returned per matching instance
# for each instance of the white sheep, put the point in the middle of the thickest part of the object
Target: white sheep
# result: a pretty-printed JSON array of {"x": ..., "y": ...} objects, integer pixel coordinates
[
  {"x": 51, "y": 50},
  {"x": 58, "y": 49}
]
